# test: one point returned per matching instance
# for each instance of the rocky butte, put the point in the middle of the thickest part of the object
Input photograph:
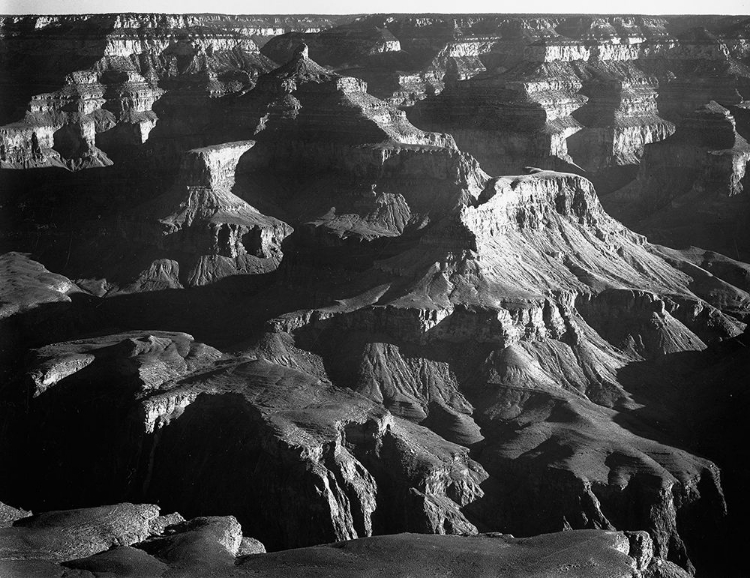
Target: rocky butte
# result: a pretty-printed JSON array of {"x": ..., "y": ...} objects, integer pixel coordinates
[{"x": 343, "y": 290}]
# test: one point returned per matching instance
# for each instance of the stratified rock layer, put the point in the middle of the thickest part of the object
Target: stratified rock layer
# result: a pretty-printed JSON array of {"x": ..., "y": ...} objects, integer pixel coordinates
[
  {"x": 114, "y": 68},
  {"x": 543, "y": 91},
  {"x": 505, "y": 325},
  {"x": 690, "y": 188},
  {"x": 65, "y": 535},
  {"x": 339, "y": 164},
  {"x": 121, "y": 540},
  {"x": 201, "y": 230}
]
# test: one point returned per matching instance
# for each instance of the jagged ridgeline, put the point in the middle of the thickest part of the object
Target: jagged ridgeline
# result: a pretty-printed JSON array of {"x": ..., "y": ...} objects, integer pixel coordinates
[{"x": 358, "y": 282}]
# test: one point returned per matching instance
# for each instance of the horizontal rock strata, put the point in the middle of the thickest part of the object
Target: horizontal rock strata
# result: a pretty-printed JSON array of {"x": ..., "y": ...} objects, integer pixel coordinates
[
  {"x": 690, "y": 188},
  {"x": 201, "y": 230}
]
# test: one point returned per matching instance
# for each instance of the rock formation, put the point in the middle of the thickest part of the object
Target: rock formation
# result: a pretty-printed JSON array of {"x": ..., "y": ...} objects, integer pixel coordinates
[
  {"x": 148, "y": 544},
  {"x": 545, "y": 91},
  {"x": 307, "y": 315},
  {"x": 26, "y": 285},
  {"x": 121, "y": 540},
  {"x": 204, "y": 231},
  {"x": 362, "y": 171},
  {"x": 465, "y": 330},
  {"x": 170, "y": 391},
  {"x": 690, "y": 187},
  {"x": 60, "y": 536},
  {"x": 580, "y": 90},
  {"x": 459, "y": 334},
  {"x": 123, "y": 69},
  {"x": 516, "y": 119}
]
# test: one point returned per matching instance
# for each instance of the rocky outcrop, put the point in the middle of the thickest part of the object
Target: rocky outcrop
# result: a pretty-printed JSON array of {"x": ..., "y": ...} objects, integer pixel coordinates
[
  {"x": 471, "y": 262},
  {"x": 691, "y": 185},
  {"x": 510, "y": 121},
  {"x": 562, "y": 106},
  {"x": 283, "y": 97},
  {"x": 727, "y": 270},
  {"x": 361, "y": 470},
  {"x": 200, "y": 542},
  {"x": 201, "y": 230},
  {"x": 335, "y": 163},
  {"x": 26, "y": 285},
  {"x": 338, "y": 163},
  {"x": 587, "y": 553},
  {"x": 348, "y": 43},
  {"x": 707, "y": 144},
  {"x": 623, "y": 65},
  {"x": 368, "y": 49},
  {"x": 620, "y": 118},
  {"x": 36, "y": 306},
  {"x": 119, "y": 540},
  {"x": 213, "y": 546},
  {"x": 112, "y": 367},
  {"x": 9, "y": 514},
  {"x": 110, "y": 108},
  {"x": 65, "y": 535},
  {"x": 149, "y": 359}
]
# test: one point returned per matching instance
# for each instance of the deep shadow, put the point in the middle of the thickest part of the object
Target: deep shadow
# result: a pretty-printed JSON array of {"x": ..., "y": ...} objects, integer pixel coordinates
[
  {"x": 698, "y": 401},
  {"x": 222, "y": 457}
]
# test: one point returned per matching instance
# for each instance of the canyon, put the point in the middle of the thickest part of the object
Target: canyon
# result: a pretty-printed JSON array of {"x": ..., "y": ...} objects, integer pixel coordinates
[{"x": 357, "y": 290}]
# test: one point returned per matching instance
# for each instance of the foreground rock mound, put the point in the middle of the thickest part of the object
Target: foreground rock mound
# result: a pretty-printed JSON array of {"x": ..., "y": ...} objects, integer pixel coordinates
[
  {"x": 26, "y": 285},
  {"x": 586, "y": 553},
  {"x": 122, "y": 540},
  {"x": 129, "y": 540},
  {"x": 65, "y": 535}
]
